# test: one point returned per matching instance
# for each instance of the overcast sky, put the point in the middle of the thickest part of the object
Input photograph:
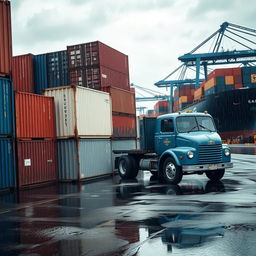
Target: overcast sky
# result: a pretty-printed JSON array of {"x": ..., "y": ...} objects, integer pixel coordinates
[{"x": 154, "y": 33}]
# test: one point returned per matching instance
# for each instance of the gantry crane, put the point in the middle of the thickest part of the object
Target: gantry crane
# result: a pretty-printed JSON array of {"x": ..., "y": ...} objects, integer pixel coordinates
[{"x": 244, "y": 37}]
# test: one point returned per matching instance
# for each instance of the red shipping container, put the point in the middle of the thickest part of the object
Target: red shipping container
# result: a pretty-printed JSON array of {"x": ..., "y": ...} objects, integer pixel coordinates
[
  {"x": 36, "y": 162},
  {"x": 35, "y": 116},
  {"x": 6, "y": 38},
  {"x": 237, "y": 72},
  {"x": 97, "y": 54},
  {"x": 23, "y": 73},
  {"x": 99, "y": 77},
  {"x": 122, "y": 101},
  {"x": 124, "y": 126},
  {"x": 113, "y": 78}
]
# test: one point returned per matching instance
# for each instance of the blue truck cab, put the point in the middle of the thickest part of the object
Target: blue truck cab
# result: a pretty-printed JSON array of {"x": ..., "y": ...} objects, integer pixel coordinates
[{"x": 177, "y": 144}]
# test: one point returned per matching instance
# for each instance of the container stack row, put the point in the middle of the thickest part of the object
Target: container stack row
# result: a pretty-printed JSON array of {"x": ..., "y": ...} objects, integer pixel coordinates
[
  {"x": 7, "y": 126},
  {"x": 35, "y": 73},
  {"x": 219, "y": 80},
  {"x": 35, "y": 139},
  {"x": 84, "y": 128},
  {"x": 161, "y": 108},
  {"x": 183, "y": 96}
]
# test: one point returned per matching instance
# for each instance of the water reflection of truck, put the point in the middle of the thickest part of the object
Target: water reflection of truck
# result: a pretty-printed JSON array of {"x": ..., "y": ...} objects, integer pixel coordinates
[{"x": 176, "y": 144}]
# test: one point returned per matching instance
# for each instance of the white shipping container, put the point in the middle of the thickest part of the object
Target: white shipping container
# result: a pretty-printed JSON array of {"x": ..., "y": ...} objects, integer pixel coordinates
[{"x": 81, "y": 112}]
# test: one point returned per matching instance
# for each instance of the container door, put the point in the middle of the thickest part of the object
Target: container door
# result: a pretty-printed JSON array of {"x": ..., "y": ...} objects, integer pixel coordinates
[{"x": 165, "y": 138}]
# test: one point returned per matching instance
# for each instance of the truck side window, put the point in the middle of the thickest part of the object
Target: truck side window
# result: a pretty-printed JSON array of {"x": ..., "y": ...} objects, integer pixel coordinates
[{"x": 167, "y": 125}]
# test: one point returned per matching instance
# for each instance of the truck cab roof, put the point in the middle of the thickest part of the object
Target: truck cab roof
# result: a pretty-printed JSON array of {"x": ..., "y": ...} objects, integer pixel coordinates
[{"x": 175, "y": 115}]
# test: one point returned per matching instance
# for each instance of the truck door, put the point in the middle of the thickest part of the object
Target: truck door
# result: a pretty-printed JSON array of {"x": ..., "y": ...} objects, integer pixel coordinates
[{"x": 165, "y": 137}]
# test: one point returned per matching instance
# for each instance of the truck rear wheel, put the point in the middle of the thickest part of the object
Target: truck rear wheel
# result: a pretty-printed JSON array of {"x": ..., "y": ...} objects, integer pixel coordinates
[
  {"x": 215, "y": 175},
  {"x": 127, "y": 167},
  {"x": 171, "y": 173}
]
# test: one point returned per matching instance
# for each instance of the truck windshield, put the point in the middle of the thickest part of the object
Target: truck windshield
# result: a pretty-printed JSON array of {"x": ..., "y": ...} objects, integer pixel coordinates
[{"x": 195, "y": 123}]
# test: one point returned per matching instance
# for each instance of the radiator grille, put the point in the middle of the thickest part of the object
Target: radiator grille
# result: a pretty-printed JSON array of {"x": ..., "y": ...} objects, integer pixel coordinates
[{"x": 209, "y": 154}]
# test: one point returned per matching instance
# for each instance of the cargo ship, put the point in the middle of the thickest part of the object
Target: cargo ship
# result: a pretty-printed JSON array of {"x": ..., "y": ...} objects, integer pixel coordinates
[
  {"x": 234, "y": 113},
  {"x": 229, "y": 95}
]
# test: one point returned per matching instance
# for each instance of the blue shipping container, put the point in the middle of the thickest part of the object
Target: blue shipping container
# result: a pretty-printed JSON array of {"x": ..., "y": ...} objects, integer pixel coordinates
[
  {"x": 79, "y": 159},
  {"x": 40, "y": 73},
  {"x": 249, "y": 77},
  {"x": 57, "y": 69},
  {"x": 6, "y": 108},
  {"x": 7, "y": 166}
]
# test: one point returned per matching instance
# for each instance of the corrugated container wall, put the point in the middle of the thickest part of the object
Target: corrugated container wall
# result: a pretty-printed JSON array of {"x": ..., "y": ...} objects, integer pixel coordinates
[
  {"x": 57, "y": 69},
  {"x": 36, "y": 162},
  {"x": 99, "y": 77},
  {"x": 6, "y": 39},
  {"x": 124, "y": 126},
  {"x": 78, "y": 159},
  {"x": 7, "y": 171},
  {"x": 23, "y": 73},
  {"x": 40, "y": 73},
  {"x": 35, "y": 116},
  {"x": 122, "y": 101},
  {"x": 81, "y": 112},
  {"x": 6, "y": 108},
  {"x": 97, "y": 54}
]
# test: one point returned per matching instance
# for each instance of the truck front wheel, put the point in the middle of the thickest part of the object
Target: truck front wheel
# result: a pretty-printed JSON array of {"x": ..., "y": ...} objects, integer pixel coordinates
[
  {"x": 127, "y": 167},
  {"x": 171, "y": 173},
  {"x": 215, "y": 175}
]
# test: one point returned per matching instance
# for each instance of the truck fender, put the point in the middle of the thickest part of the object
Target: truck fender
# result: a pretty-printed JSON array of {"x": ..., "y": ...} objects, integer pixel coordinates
[{"x": 165, "y": 155}]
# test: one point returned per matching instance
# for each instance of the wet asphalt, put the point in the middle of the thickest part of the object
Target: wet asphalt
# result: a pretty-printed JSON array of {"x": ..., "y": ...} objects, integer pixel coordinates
[{"x": 135, "y": 217}]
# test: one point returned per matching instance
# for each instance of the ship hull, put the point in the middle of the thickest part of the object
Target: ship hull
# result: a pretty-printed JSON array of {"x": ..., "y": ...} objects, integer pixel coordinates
[{"x": 234, "y": 113}]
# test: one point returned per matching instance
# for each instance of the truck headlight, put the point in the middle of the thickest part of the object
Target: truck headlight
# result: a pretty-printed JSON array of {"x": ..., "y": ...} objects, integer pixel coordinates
[
  {"x": 190, "y": 154},
  {"x": 227, "y": 152}
]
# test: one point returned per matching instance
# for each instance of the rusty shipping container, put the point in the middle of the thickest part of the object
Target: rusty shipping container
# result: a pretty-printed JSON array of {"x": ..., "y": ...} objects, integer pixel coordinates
[
  {"x": 98, "y": 78},
  {"x": 97, "y": 54},
  {"x": 122, "y": 101},
  {"x": 23, "y": 73},
  {"x": 6, "y": 39},
  {"x": 36, "y": 162},
  {"x": 35, "y": 116},
  {"x": 124, "y": 126}
]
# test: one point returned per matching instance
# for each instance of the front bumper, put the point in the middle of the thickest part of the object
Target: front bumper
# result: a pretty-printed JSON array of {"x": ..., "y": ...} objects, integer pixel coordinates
[{"x": 206, "y": 167}]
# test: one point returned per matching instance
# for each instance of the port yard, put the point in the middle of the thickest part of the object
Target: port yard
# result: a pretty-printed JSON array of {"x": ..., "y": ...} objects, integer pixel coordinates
[
  {"x": 69, "y": 111},
  {"x": 135, "y": 217}
]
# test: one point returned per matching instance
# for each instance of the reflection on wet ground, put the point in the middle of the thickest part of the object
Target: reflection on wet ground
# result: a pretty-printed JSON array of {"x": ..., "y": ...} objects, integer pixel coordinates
[
  {"x": 243, "y": 149},
  {"x": 135, "y": 217}
]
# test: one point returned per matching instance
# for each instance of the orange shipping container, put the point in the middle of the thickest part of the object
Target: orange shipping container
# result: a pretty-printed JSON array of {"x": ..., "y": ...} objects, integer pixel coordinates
[
  {"x": 23, "y": 73},
  {"x": 6, "y": 38},
  {"x": 229, "y": 80},
  {"x": 210, "y": 83},
  {"x": 183, "y": 99},
  {"x": 198, "y": 93},
  {"x": 122, "y": 101},
  {"x": 35, "y": 116}
]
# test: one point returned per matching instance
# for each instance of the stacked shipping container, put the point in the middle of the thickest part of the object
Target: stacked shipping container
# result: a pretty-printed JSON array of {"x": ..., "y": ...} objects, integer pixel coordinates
[
  {"x": 161, "y": 108},
  {"x": 7, "y": 128},
  {"x": 6, "y": 39},
  {"x": 23, "y": 73},
  {"x": 36, "y": 144},
  {"x": 183, "y": 96},
  {"x": 84, "y": 128},
  {"x": 7, "y": 163},
  {"x": 96, "y": 65}
]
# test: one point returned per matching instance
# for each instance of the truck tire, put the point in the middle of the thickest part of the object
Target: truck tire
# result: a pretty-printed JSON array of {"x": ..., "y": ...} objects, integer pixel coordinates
[
  {"x": 215, "y": 175},
  {"x": 127, "y": 167},
  {"x": 171, "y": 173}
]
